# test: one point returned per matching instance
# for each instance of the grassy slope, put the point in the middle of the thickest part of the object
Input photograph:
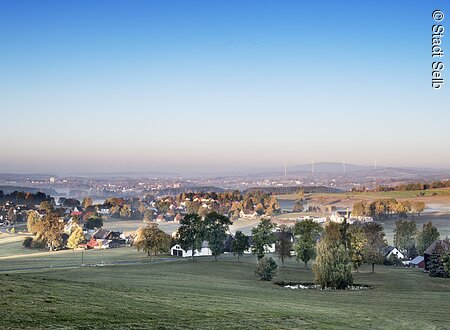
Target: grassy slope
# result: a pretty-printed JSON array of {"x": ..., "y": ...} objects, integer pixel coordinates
[
  {"x": 206, "y": 294},
  {"x": 355, "y": 196}
]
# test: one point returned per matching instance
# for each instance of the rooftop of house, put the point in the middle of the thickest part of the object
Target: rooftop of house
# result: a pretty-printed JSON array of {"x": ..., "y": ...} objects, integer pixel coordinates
[
  {"x": 417, "y": 260},
  {"x": 442, "y": 244}
]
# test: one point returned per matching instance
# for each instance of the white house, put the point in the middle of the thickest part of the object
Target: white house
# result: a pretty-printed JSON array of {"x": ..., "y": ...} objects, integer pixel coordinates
[
  {"x": 393, "y": 250},
  {"x": 267, "y": 248},
  {"x": 176, "y": 250},
  {"x": 339, "y": 216},
  {"x": 247, "y": 214},
  {"x": 103, "y": 211}
]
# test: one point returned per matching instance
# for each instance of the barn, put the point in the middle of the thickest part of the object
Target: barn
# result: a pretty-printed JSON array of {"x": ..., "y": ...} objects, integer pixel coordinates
[{"x": 417, "y": 262}]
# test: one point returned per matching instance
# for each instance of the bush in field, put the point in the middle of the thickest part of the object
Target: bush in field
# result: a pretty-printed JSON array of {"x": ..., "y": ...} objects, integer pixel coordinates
[
  {"x": 266, "y": 269},
  {"x": 38, "y": 244},
  {"x": 27, "y": 242}
]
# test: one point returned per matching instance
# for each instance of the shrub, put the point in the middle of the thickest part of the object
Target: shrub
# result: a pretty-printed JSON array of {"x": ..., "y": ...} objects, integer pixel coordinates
[
  {"x": 436, "y": 266},
  {"x": 266, "y": 269},
  {"x": 393, "y": 260},
  {"x": 27, "y": 242},
  {"x": 447, "y": 263},
  {"x": 38, "y": 244}
]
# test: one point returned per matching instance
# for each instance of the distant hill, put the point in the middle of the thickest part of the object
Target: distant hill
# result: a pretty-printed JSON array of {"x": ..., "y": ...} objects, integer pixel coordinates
[
  {"x": 325, "y": 168},
  {"x": 329, "y": 167}
]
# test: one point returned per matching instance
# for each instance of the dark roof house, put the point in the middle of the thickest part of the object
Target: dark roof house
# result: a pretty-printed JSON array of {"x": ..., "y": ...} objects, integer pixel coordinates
[{"x": 106, "y": 234}]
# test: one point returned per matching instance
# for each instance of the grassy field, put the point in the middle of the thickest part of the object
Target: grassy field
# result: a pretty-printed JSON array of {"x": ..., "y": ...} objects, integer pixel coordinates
[
  {"x": 207, "y": 294},
  {"x": 348, "y": 198}
]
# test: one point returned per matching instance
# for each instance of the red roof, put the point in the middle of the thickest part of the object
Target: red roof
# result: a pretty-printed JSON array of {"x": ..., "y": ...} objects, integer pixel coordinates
[{"x": 92, "y": 243}]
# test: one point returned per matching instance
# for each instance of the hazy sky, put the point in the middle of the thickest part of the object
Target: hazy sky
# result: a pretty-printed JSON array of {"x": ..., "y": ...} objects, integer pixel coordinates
[{"x": 90, "y": 86}]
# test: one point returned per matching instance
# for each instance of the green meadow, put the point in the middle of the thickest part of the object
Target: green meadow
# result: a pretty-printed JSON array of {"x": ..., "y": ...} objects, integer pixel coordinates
[{"x": 173, "y": 293}]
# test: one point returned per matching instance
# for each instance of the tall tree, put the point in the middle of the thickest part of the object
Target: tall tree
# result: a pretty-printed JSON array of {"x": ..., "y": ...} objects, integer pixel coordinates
[
  {"x": 418, "y": 207},
  {"x": 240, "y": 244},
  {"x": 125, "y": 211},
  {"x": 216, "y": 227},
  {"x": 307, "y": 232},
  {"x": 46, "y": 206},
  {"x": 358, "y": 241},
  {"x": 332, "y": 267},
  {"x": 191, "y": 232},
  {"x": 76, "y": 238},
  {"x": 12, "y": 215},
  {"x": 152, "y": 240},
  {"x": 49, "y": 230},
  {"x": 283, "y": 245},
  {"x": 94, "y": 221},
  {"x": 405, "y": 236},
  {"x": 426, "y": 237},
  {"x": 375, "y": 245},
  {"x": 263, "y": 236},
  {"x": 87, "y": 201},
  {"x": 32, "y": 220},
  {"x": 298, "y": 206}
]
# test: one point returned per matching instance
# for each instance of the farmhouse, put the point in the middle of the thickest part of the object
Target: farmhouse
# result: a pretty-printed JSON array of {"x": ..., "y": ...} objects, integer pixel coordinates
[
  {"x": 391, "y": 250},
  {"x": 176, "y": 250},
  {"x": 106, "y": 234},
  {"x": 340, "y": 216},
  {"x": 78, "y": 211}
]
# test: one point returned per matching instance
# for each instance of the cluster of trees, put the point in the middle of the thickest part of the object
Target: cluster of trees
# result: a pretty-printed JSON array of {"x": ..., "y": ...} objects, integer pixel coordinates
[
  {"x": 13, "y": 216},
  {"x": 132, "y": 208},
  {"x": 212, "y": 228},
  {"x": 411, "y": 241},
  {"x": 47, "y": 230},
  {"x": 343, "y": 246},
  {"x": 230, "y": 203},
  {"x": 384, "y": 208},
  {"x": 20, "y": 197}
]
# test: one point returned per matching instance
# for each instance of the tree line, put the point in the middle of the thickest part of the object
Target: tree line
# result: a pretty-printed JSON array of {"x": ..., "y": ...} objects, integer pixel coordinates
[
  {"x": 385, "y": 208},
  {"x": 27, "y": 198},
  {"x": 407, "y": 187}
]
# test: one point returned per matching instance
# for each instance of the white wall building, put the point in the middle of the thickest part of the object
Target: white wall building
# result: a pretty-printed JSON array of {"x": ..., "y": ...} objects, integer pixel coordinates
[{"x": 177, "y": 251}]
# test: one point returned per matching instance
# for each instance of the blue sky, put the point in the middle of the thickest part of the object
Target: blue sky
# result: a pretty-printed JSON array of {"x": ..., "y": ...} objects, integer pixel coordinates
[{"x": 93, "y": 86}]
